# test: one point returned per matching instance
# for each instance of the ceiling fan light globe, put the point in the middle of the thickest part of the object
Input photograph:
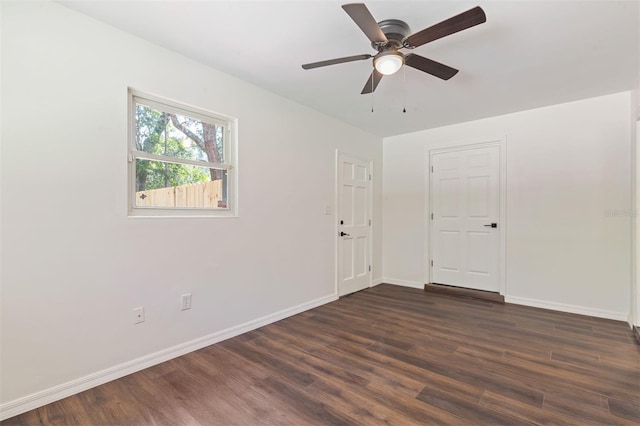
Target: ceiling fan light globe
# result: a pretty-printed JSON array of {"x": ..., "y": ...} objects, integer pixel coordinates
[{"x": 388, "y": 64}]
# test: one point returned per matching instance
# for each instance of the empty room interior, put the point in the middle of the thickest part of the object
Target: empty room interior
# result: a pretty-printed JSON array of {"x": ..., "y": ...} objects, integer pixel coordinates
[{"x": 312, "y": 212}]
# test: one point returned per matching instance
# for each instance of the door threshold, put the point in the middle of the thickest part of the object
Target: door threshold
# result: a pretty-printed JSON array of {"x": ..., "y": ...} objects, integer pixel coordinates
[
  {"x": 464, "y": 292},
  {"x": 352, "y": 293}
]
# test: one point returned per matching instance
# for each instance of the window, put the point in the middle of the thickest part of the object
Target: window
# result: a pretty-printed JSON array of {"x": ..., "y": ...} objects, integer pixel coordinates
[{"x": 181, "y": 159}]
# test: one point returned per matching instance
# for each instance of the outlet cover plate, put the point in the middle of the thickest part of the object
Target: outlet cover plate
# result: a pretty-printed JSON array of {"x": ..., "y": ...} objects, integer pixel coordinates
[{"x": 185, "y": 301}]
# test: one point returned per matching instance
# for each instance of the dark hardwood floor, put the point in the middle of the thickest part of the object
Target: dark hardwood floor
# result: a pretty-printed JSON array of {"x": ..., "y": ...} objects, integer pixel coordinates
[{"x": 385, "y": 355}]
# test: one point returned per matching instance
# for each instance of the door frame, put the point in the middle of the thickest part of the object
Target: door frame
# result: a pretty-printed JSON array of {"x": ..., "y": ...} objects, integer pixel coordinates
[
  {"x": 635, "y": 204},
  {"x": 462, "y": 145},
  {"x": 336, "y": 225}
]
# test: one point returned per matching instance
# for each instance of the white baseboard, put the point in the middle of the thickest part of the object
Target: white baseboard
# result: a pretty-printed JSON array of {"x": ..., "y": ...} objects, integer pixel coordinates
[
  {"x": 403, "y": 283},
  {"x": 377, "y": 281},
  {"x": 55, "y": 393},
  {"x": 562, "y": 307}
]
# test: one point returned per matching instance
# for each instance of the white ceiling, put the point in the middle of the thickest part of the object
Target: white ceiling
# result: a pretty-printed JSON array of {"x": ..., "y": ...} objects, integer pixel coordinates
[{"x": 528, "y": 54}]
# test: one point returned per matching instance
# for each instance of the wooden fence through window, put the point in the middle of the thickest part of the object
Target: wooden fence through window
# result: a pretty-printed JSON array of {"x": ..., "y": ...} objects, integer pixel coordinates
[{"x": 202, "y": 195}]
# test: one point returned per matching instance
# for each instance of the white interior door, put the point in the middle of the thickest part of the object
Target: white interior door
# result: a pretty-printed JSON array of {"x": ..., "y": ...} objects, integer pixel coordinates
[
  {"x": 465, "y": 200},
  {"x": 354, "y": 225}
]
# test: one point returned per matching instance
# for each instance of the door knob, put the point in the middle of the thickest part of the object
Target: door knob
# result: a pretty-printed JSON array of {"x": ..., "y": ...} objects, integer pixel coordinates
[
  {"x": 492, "y": 225},
  {"x": 343, "y": 234}
]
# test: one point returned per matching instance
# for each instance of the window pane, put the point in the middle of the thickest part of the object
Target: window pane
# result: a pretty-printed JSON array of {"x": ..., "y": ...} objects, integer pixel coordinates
[
  {"x": 168, "y": 185},
  {"x": 175, "y": 135}
]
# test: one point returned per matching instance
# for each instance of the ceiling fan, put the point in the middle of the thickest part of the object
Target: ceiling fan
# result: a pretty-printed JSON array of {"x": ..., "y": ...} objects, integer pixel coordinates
[{"x": 391, "y": 35}]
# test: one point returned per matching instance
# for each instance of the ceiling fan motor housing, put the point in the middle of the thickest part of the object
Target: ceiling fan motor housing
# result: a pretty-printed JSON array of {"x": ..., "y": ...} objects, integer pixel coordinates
[{"x": 395, "y": 30}]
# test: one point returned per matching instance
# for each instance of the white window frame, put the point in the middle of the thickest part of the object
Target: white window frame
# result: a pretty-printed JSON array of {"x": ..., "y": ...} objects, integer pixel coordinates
[{"x": 230, "y": 141}]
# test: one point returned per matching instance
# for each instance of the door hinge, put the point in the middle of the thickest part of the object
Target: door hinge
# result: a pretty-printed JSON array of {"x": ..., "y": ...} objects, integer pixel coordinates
[
  {"x": 369, "y": 177},
  {"x": 369, "y": 268},
  {"x": 369, "y": 222},
  {"x": 432, "y": 263},
  {"x": 431, "y": 216},
  {"x": 130, "y": 158},
  {"x": 431, "y": 169}
]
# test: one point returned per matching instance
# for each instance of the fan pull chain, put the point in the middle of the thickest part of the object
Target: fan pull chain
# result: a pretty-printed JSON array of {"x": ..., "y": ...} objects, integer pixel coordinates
[
  {"x": 372, "y": 92},
  {"x": 404, "y": 81}
]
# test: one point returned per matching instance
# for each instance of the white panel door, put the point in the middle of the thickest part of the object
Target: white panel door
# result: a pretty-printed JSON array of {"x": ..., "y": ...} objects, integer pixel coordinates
[
  {"x": 354, "y": 185},
  {"x": 465, "y": 200}
]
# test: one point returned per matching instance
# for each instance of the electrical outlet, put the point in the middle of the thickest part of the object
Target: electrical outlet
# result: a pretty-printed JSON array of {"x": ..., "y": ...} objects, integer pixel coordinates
[
  {"x": 138, "y": 315},
  {"x": 185, "y": 301}
]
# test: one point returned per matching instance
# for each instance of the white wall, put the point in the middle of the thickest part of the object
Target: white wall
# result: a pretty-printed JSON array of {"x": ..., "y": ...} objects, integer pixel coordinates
[
  {"x": 73, "y": 264},
  {"x": 567, "y": 165}
]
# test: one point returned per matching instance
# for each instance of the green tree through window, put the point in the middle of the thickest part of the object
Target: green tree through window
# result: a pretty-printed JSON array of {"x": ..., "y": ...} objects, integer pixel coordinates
[{"x": 175, "y": 136}]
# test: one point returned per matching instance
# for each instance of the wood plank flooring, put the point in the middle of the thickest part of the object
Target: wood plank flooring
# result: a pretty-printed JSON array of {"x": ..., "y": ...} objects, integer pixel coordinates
[{"x": 388, "y": 355}]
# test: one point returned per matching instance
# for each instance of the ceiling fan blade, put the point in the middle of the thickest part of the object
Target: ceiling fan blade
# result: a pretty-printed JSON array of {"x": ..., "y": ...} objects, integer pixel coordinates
[
  {"x": 372, "y": 83},
  {"x": 430, "y": 66},
  {"x": 365, "y": 20},
  {"x": 336, "y": 61},
  {"x": 468, "y": 19}
]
